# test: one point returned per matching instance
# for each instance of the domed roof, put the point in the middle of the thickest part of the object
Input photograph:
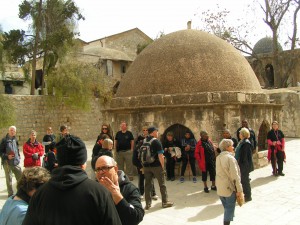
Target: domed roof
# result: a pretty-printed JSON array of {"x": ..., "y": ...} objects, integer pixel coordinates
[
  {"x": 265, "y": 45},
  {"x": 188, "y": 61}
]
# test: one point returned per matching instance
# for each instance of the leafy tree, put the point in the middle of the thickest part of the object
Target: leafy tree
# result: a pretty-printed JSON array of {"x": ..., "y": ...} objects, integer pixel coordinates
[
  {"x": 76, "y": 83},
  {"x": 7, "y": 112},
  {"x": 52, "y": 32}
]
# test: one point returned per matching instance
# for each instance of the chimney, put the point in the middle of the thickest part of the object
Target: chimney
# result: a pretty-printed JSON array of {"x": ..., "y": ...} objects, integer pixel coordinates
[{"x": 189, "y": 25}]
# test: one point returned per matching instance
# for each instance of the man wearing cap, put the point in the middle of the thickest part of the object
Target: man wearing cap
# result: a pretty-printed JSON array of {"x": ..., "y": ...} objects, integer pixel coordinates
[
  {"x": 70, "y": 197},
  {"x": 155, "y": 169}
]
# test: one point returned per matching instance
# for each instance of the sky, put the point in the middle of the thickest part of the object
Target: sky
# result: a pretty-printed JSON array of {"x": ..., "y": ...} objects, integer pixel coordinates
[{"x": 104, "y": 18}]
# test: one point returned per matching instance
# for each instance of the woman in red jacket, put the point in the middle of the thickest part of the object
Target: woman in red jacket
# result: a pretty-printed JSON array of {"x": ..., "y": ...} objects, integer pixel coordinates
[{"x": 33, "y": 151}]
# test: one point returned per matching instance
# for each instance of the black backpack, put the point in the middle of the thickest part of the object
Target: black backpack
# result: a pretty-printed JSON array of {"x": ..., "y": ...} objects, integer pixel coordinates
[{"x": 146, "y": 155}]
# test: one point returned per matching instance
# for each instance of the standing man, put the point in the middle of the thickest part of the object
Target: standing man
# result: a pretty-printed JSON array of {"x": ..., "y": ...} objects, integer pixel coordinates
[
  {"x": 155, "y": 169},
  {"x": 252, "y": 137},
  {"x": 10, "y": 157},
  {"x": 124, "y": 144},
  {"x": 70, "y": 197}
]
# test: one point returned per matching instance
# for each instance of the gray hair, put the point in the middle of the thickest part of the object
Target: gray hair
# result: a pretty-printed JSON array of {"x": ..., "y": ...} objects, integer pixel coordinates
[
  {"x": 108, "y": 159},
  {"x": 245, "y": 132},
  {"x": 203, "y": 132},
  {"x": 225, "y": 143},
  {"x": 106, "y": 143},
  {"x": 14, "y": 127}
]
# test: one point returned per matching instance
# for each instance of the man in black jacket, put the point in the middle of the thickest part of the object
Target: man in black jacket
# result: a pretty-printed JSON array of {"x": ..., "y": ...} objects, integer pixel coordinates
[
  {"x": 126, "y": 196},
  {"x": 70, "y": 197}
]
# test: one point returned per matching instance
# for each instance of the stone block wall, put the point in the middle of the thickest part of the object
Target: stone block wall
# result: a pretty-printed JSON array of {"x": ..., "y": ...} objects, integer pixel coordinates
[{"x": 33, "y": 113}]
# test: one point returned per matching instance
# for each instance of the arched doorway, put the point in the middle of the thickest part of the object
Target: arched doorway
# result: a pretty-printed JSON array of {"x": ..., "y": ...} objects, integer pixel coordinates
[
  {"x": 262, "y": 135},
  {"x": 178, "y": 130},
  {"x": 270, "y": 75}
]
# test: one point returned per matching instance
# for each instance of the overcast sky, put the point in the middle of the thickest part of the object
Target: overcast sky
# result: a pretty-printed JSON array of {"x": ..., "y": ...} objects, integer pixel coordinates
[{"x": 104, "y": 18}]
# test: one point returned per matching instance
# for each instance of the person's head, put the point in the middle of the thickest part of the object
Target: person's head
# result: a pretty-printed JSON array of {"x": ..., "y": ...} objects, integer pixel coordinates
[
  {"x": 187, "y": 135},
  {"x": 145, "y": 131},
  {"x": 244, "y": 123},
  {"x": 123, "y": 126},
  {"x": 71, "y": 150},
  {"x": 244, "y": 133},
  {"x": 105, "y": 128},
  {"x": 107, "y": 144},
  {"x": 106, "y": 166},
  {"x": 170, "y": 136},
  {"x": 49, "y": 130},
  {"x": 226, "y": 145},
  {"x": 32, "y": 178},
  {"x": 275, "y": 125},
  {"x": 153, "y": 131},
  {"x": 12, "y": 131},
  {"x": 64, "y": 130},
  {"x": 226, "y": 134},
  {"x": 33, "y": 136},
  {"x": 204, "y": 135},
  {"x": 102, "y": 138}
]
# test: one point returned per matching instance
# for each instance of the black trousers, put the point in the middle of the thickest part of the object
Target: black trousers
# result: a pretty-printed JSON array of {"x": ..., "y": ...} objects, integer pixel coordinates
[
  {"x": 212, "y": 172},
  {"x": 278, "y": 158},
  {"x": 191, "y": 160},
  {"x": 170, "y": 167},
  {"x": 246, "y": 184}
]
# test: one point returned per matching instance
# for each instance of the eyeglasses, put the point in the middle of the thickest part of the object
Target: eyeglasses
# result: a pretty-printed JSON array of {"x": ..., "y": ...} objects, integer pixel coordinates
[
  {"x": 104, "y": 128},
  {"x": 103, "y": 169}
]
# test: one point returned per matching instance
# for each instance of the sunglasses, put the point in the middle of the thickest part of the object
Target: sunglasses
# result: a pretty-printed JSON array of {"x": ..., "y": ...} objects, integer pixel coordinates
[{"x": 104, "y": 128}]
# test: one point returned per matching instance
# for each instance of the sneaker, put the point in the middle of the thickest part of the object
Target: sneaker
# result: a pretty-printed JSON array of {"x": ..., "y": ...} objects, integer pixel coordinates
[
  {"x": 194, "y": 179},
  {"x": 181, "y": 179},
  {"x": 248, "y": 199},
  {"x": 213, "y": 188},
  {"x": 167, "y": 204},
  {"x": 154, "y": 197},
  {"x": 147, "y": 207},
  {"x": 206, "y": 190}
]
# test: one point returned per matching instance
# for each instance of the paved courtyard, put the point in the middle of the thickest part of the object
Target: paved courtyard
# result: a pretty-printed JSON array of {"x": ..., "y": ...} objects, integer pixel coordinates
[{"x": 276, "y": 200}]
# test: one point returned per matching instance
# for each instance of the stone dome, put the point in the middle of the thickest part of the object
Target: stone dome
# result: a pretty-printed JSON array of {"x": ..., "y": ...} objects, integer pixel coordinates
[
  {"x": 265, "y": 45},
  {"x": 188, "y": 61}
]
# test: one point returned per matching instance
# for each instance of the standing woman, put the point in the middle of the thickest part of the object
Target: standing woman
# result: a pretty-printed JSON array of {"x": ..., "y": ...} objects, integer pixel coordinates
[
  {"x": 276, "y": 146},
  {"x": 33, "y": 151},
  {"x": 228, "y": 179},
  {"x": 105, "y": 129},
  {"x": 243, "y": 155}
]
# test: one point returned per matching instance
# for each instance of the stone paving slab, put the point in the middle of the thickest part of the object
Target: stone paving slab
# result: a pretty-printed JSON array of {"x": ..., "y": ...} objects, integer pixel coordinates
[{"x": 276, "y": 200}]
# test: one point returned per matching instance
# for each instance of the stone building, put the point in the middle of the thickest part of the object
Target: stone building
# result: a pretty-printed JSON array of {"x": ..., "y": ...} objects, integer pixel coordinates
[{"x": 191, "y": 80}]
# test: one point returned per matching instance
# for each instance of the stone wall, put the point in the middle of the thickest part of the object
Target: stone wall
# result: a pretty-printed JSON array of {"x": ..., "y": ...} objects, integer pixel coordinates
[
  {"x": 290, "y": 98},
  {"x": 32, "y": 112}
]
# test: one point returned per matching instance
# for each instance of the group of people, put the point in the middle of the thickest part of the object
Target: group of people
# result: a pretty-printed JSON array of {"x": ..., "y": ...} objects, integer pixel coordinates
[{"x": 228, "y": 166}]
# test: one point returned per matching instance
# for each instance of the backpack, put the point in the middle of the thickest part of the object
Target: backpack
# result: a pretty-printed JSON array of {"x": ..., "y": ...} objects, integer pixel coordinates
[{"x": 146, "y": 155}]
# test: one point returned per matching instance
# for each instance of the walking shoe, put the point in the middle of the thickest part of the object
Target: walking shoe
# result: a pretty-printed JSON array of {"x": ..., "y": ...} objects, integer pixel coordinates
[
  {"x": 194, "y": 179},
  {"x": 147, "y": 207},
  {"x": 181, "y": 179},
  {"x": 281, "y": 174},
  {"x": 213, "y": 188},
  {"x": 142, "y": 197},
  {"x": 173, "y": 178},
  {"x": 167, "y": 204},
  {"x": 206, "y": 190},
  {"x": 248, "y": 199},
  {"x": 131, "y": 178},
  {"x": 154, "y": 197}
]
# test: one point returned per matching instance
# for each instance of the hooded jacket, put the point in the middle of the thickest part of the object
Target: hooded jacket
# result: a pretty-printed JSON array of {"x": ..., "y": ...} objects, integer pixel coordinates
[
  {"x": 130, "y": 209},
  {"x": 70, "y": 198},
  {"x": 10, "y": 146},
  {"x": 29, "y": 149}
]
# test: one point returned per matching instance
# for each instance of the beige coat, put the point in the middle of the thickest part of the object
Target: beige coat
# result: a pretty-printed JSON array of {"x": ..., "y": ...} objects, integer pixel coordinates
[{"x": 227, "y": 173}]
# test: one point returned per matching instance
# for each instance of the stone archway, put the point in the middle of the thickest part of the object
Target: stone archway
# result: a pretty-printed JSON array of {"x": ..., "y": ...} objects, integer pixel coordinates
[
  {"x": 262, "y": 135},
  {"x": 178, "y": 130}
]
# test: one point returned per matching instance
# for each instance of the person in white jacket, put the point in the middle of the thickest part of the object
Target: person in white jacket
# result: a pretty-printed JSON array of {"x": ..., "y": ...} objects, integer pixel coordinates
[{"x": 228, "y": 179}]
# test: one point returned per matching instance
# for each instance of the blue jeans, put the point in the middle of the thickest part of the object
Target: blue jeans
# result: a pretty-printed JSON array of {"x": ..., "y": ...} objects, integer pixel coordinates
[{"x": 229, "y": 206}]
